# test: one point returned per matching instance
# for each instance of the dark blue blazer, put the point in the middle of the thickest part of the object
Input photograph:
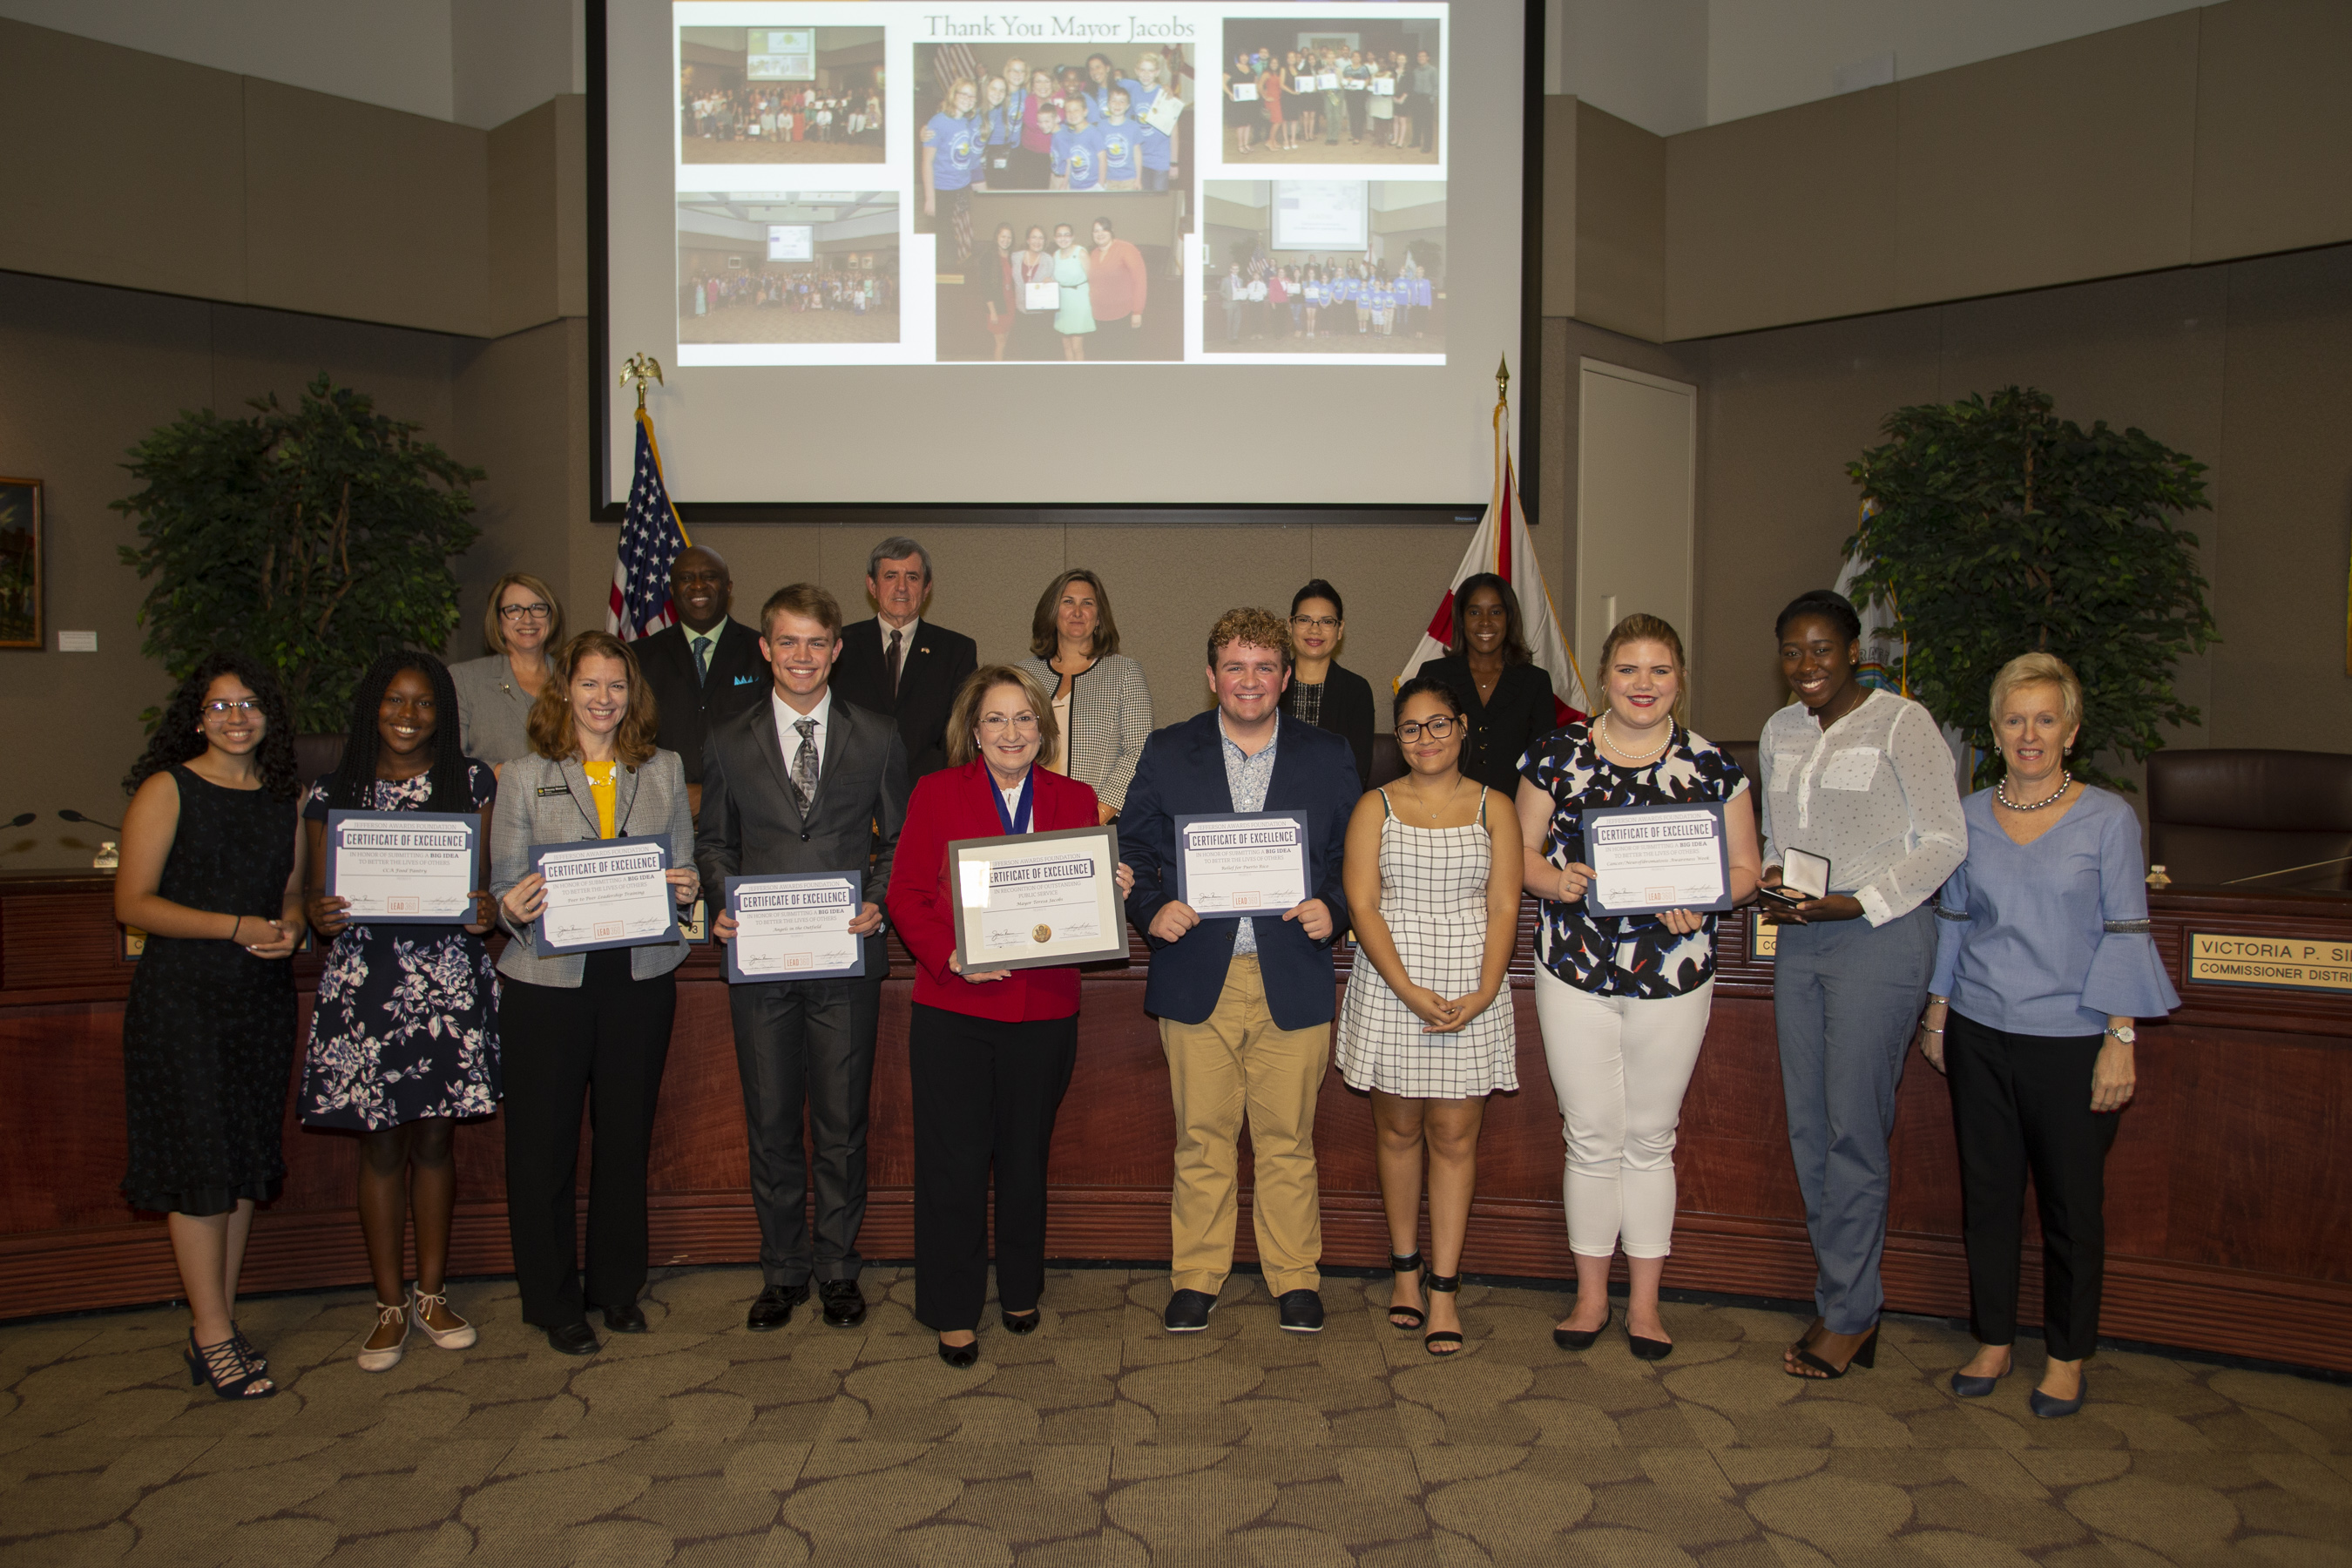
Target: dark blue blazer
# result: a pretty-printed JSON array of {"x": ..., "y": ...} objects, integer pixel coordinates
[{"x": 1182, "y": 774}]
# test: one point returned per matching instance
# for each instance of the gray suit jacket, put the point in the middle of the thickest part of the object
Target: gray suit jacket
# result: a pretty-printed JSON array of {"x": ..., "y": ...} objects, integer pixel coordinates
[
  {"x": 543, "y": 802},
  {"x": 751, "y": 824}
]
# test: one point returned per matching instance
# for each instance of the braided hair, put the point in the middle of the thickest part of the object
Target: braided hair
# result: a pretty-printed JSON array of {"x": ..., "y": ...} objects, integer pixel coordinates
[
  {"x": 179, "y": 737},
  {"x": 351, "y": 787}
]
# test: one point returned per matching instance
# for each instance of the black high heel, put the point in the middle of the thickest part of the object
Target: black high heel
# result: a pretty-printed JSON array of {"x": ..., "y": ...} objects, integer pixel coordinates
[
  {"x": 1021, "y": 1323},
  {"x": 1442, "y": 1342},
  {"x": 1581, "y": 1339},
  {"x": 226, "y": 1369},
  {"x": 959, "y": 1356},
  {"x": 1410, "y": 1263},
  {"x": 254, "y": 1358}
]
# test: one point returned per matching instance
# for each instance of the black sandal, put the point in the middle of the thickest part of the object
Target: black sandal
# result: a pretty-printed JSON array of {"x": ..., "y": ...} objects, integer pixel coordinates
[
  {"x": 225, "y": 1366},
  {"x": 1443, "y": 1341},
  {"x": 1865, "y": 1355},
  {"x": 1409, "y": 1264}
]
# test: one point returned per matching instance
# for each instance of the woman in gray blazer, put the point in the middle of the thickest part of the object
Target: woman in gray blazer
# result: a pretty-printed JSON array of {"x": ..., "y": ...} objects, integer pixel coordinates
[
  {"x": 522, "y": 625},
  {"x": 584, "y": 1027},
  {"x": 1100, "y": 702}
]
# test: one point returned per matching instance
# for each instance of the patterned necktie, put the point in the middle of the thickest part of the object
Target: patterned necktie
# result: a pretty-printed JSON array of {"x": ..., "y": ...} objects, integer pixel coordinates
[
  {"x": 702, "y": 656},
  {"x": 891, "y": 658},
  {"x": 804, "y": 763}
]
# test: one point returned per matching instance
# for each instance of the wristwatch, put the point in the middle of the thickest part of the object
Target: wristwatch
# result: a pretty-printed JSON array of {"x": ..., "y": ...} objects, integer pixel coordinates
[{"x": 2127, "y": 1033}]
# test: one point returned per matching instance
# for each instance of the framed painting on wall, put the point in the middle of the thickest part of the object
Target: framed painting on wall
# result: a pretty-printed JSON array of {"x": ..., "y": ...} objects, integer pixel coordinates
[{"x": 20, "y": 562}]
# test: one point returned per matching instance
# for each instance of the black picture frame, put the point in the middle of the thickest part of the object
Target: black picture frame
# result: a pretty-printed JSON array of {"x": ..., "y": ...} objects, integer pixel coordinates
[{"x": 23, "y": 623}]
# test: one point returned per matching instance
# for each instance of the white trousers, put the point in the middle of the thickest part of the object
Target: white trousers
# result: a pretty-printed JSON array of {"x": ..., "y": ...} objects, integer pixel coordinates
[{"x": 1619, "y": 1065}]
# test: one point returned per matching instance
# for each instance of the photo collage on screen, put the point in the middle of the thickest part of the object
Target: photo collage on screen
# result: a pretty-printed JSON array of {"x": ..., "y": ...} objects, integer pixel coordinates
[{"x": 960, "y": 185}]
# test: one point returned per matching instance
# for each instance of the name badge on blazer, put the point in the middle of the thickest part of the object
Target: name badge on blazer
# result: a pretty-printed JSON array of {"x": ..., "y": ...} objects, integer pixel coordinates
[{"x": 555, "y": 789}]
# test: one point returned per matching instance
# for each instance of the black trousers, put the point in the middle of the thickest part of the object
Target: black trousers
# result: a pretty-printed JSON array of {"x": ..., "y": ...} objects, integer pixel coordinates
[
  {"x": 985, "y": 1094},
  {"x": 2021, "y": 1103},
  {"x": 807, "y": 1046},
  {"x": 1425, "y": 124},
  {"x": 602, "y": 1044}
]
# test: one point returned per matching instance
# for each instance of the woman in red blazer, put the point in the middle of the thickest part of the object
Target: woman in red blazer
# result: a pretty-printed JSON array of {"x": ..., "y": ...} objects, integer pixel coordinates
[{"x": 989, "y": 1055}]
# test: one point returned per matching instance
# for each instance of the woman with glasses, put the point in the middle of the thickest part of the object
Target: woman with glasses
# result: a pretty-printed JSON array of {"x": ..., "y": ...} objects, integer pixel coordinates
[
  {"x": 989, "y": 1054},
  {"x": 212, "y": 871},
  {"x": 1506, "y": 694},
  {"x": 522, "y": 625},
  {"x": 1321, "y": 693},
  {"x": 1433, "y": 875}
]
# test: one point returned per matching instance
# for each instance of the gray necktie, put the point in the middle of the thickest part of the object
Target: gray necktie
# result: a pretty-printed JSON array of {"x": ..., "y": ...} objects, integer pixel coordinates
[
  {"x": 701, "y": 641},
  {"x": 804, "y": 763}
]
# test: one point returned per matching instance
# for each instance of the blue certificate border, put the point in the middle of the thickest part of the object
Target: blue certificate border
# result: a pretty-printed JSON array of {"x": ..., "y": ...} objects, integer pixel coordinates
[
  {"x": 471, "y": 821},
  {"x": 1184, "y": 883},
  {"x": 538, "y": 854},
  {"x": 856, "y": 886},
  {"x": 1722, "y": 849}
]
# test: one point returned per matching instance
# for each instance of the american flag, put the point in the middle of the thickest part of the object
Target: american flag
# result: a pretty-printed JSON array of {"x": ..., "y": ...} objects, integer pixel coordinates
[{"x": 651, "y": 540}]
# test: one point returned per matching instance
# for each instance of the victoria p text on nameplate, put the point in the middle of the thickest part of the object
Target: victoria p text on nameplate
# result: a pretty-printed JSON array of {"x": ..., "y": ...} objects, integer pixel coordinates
[
  {"x": 1037, "y": 898},
  {"x": 1646, "y": 859},
  {"x": 609, "y": 892},
  {"x": 794, "y": 926},
  {"x": 405, "y": 867},
  {"x": 1237, "y": 864}
]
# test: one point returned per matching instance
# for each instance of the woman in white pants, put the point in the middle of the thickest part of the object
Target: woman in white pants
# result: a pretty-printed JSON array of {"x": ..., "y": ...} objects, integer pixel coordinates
[{"x": 1623, "y": 999}]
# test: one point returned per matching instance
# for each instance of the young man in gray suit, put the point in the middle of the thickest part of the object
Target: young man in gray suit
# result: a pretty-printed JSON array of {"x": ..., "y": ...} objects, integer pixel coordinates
[{"x": 805, "y": 782}]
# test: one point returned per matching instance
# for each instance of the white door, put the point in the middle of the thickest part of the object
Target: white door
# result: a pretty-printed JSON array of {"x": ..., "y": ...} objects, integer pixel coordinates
[{"x": 1636, "y": 487}]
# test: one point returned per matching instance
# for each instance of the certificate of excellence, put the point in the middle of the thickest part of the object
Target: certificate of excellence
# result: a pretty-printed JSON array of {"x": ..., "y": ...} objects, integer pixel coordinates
[
  {"x": 1037, "y": 898},
  {"x": 1646, "y": 859},
  {"x": 405, "y": 867},
  {"x": 607, "y": 893},
  {"x": 1235, "y": 864},
  {"x": 794, "y": 927}
]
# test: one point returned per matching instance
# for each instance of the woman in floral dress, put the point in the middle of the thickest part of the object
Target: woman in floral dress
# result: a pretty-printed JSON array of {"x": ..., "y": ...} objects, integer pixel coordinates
[{"x": 404, "y": 1038}]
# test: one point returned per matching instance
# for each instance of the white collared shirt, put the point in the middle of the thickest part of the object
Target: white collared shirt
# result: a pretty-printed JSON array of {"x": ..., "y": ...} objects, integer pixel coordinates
[
  {"x": 906, "y": 640},
  {"x": 788, "y": 739}
]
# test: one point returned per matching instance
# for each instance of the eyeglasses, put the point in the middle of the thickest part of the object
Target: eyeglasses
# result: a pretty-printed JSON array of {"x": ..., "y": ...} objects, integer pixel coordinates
[
  {"x": 1435, "y": 729},
  {"x": 525, "y": 612},
  {"x": 1020, "y": 723},
  {"x": 217, "y": 709},
  {"x": 1315, "y": 623}
]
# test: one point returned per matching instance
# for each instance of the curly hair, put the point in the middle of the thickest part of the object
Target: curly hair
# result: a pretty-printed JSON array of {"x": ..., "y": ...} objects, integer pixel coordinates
[
  {"x": 180, "y": 736},
  {"x": 1257, "y": 628},
  {"x": 551, "y": 716},
  {"x": 351, "y": 787},
  {"x": 964, "y": 719}
]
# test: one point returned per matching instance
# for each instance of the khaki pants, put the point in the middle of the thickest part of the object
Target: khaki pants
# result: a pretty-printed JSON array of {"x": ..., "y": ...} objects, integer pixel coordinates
[{"x": 1238, "y": 1061}]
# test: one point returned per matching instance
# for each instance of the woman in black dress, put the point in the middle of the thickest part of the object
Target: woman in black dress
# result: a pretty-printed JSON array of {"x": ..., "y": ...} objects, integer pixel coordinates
[
  {"x": 1508, "y": 695},
  {"x": 404, "y": 1038},
  {"x": 212, "y": 871}
]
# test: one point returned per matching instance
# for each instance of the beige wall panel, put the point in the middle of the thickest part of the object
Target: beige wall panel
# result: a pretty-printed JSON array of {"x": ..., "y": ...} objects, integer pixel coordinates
[
  {"x": 257, "y": 352},
  {"x": 2280, "y": 545},
  {"x": 1783, "y": 413},
  {"x": 2063, "y": 162},
  {"x": 1391, "y": 577},
  {"x": 524, "y": 174},
  {"x": 571, "y": 205},
  {"x": 1169, "y": 586},
  {"x": 985, "y": 578},
  {"x": 366, "y": 212},
  {"x": 1558, "y": 285},
  {"x": 122, "y": 167},
  {"x": 1621, "y": 225},
  {"x": 1785, "y": 218},
  {"x": 2273, "y": 127},
  {"x": 509, "y": 419}
]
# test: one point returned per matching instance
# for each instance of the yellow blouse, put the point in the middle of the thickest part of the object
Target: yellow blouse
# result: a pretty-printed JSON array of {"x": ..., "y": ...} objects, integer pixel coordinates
[{"x": 600, "y": 786}]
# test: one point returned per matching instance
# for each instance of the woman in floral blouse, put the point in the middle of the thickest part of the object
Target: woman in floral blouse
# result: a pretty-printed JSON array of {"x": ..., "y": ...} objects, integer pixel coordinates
[{"x": 404, "y": 1038}]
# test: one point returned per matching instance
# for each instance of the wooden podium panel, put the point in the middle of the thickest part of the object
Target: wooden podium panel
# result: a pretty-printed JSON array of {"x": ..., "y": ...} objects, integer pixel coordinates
[{"x": 2229, "y": 1192}]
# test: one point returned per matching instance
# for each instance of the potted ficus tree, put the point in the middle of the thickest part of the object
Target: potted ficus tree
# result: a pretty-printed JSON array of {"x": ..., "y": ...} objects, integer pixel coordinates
[
  {"x": 1998, "y": 528},
  {"x": 313, "y": 538}
]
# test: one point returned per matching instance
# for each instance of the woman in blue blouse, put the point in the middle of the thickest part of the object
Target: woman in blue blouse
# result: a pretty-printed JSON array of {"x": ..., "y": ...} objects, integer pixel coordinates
[{"x": 2042, "y": 962}]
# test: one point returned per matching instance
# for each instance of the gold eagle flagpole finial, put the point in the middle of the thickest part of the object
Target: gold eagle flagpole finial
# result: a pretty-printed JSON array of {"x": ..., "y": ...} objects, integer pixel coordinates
[
  {"x": 637, "y": 368},
  {"x": 1503, "y": 379}
]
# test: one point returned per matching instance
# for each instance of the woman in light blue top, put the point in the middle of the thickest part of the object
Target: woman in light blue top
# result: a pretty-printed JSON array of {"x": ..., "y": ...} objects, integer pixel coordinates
[{"x": 2044, "y": 961}]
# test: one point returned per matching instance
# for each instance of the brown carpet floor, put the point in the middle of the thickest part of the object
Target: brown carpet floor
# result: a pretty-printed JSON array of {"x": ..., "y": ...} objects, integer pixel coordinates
[{"x": 1101, "y": 1440}]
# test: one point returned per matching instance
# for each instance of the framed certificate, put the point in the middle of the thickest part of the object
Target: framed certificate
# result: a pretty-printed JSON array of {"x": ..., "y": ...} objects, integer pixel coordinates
[
  {"x": 604, "y": 892},
  {"x": 1037, "y": 898},
  {"x": 1232, "y": 865},
  {"x": 1646, "y": 859},
  {"x": 405, "y": 867},
  {"x": 1042, "y": 294},
  {"x": 794, "y": 927}
]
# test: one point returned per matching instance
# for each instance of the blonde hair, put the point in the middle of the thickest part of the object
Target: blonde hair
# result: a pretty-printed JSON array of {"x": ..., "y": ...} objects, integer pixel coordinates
[
  {"x": 1248, "y": 624},
  {"x": 1640, "y": 628},
  {"x": 550, "y": 727},
  {"x": 494, "y": 637},
  {"x": 964, "y": 719},
  {"x": 2038, "y": 669}
]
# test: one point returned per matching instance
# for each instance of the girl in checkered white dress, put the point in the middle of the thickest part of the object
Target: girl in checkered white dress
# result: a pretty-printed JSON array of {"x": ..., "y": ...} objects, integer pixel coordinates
[{"x": 1432, "y": 875}]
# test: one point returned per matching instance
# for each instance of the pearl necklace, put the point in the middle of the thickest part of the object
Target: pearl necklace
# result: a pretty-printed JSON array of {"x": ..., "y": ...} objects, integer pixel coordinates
[
  {"x": 2001, "y": 793},
  {"x": 1650, "y": 756}
]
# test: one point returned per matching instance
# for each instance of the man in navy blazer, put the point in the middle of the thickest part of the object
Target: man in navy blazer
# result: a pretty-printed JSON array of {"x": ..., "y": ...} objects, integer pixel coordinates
[{"x": 1245, "y": 1004}]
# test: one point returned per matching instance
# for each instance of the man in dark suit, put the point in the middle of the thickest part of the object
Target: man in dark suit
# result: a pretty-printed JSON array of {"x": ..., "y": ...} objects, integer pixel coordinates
[
  {"x": 805, "y": 782},
  {"x": 706, "y": 667},
  {"x": 1244, "y": 1005},
  {"x": 901, "y": 664}
]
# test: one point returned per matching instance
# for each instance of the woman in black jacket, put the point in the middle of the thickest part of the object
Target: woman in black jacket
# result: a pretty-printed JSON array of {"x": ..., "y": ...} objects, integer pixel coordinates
[
  {"x": 1507, "y": 694},
  {"x": 1321, "y": 693}
]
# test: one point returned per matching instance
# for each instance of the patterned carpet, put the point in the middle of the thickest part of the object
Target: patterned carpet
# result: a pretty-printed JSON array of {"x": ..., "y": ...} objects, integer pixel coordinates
[{"x": 1101, "y": 1440}]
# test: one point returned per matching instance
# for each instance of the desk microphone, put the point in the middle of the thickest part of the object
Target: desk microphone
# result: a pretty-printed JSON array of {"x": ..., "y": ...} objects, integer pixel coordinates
[
  {"x": 23, "y": 819},
  {"x": 78, "y": 817}
]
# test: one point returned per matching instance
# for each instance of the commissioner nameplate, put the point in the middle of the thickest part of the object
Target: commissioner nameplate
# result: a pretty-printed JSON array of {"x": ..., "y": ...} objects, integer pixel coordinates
[{"x": 2273, "y": 963}]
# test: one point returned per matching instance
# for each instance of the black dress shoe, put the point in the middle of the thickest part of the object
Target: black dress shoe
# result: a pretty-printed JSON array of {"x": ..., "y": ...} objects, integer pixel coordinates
[
  {"x": 1578, "y": 1339},
  {"x": 1022, "y": 1322},
  {"x": 774, "y": 1308},
  {"x": 627, "y": 1318},
  {"x": 1649, "y": 1350},
  {"x": 1188, "y": 1312},
  {"x": 1301, "y": 1311},
  {"x": 959, "y": 1356},
  {"x": 844, "y": 1306},
  {"x": 573, "y": 1339}
]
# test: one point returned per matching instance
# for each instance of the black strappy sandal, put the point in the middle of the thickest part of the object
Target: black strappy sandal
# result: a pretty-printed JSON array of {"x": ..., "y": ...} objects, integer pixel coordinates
[
  {"x": 1865, "y": 1354},
  {"x": 225, "y": 1366},
  {"x": 1410, "y": 1263},
  {"x": 1443, "y": 1341}
]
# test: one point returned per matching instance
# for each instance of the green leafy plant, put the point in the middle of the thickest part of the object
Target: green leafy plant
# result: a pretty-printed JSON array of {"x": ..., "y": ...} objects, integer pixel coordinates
[
  {"x": 2000, "y": 529},
  {"x": 312, "y": 538}
]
